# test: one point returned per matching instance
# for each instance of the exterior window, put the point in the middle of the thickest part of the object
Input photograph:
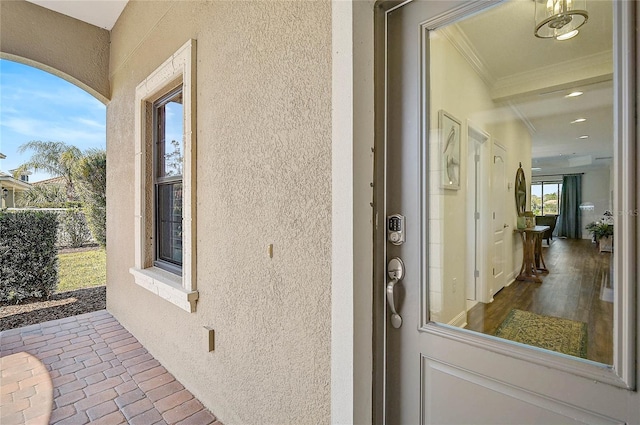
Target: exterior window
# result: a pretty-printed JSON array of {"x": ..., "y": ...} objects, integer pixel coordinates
[
  {"x": 168, "y": 148},
  {"x": 165, "y": 180},
  {"x": 545, "y": 198}
]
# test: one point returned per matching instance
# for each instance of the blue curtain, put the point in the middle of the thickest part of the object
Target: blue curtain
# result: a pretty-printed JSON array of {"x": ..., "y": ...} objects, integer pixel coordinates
[{"x": 569, "y": 222}]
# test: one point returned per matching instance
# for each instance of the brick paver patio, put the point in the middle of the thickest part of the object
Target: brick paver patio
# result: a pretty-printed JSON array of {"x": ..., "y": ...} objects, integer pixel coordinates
[{"x": 88, "y": 369}]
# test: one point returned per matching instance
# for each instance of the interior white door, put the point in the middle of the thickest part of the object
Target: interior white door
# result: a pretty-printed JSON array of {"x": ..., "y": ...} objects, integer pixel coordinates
[
  {"x": 499, "y": 224},
  {"x": 434, "y": 373},
  {"x": 477, "y": 188}
]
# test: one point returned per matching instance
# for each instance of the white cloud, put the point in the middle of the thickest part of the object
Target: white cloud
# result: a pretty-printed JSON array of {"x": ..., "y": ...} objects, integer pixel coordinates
[
  {"x": 91, "y": 123},
  {"x": 35, "y": 129}
]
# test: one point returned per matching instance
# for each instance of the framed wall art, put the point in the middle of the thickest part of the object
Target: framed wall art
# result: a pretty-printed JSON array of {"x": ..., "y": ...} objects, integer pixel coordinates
[{"x": 450, "y": 130}]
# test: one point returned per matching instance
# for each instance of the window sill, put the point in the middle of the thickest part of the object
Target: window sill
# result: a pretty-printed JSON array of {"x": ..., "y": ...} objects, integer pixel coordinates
[{"x": 167, "y": 286}]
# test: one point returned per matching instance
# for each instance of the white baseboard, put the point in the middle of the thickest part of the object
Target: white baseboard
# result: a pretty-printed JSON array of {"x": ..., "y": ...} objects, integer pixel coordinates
[
  {"x": 471, "y": 304},
  {"x": 460, "y": 320}
]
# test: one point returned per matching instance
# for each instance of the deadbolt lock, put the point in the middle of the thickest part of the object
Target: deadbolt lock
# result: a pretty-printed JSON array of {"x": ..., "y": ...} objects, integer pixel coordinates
[{"x": 395, "y": 229}]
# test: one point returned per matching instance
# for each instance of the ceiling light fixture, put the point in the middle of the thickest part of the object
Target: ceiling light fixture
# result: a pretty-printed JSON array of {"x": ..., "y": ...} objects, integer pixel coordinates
[
  {"x": 536, "y": 169},
  {"x": 587, "y": 206},
  {"x": 567, "y": 36},
  {"x": 583, "y": 137},
  {"x": 576, "y": 121},
  {"x": 559, "y": 19},
  {"x": 574, "y": 94}
]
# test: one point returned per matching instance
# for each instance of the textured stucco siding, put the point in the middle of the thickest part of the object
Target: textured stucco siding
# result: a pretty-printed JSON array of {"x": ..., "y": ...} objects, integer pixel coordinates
[
  {"x": 63, "y": 46},
  {"x": 263, "y": 177}
]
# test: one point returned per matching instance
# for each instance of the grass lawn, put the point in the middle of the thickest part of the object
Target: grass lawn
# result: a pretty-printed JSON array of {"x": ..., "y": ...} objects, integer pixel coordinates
[{"x": 82, "y": 269}]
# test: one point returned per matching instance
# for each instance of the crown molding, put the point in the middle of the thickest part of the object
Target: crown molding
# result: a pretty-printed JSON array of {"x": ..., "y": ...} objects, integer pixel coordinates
[
  {"x": 588, "y": 69},
  {"x": 459, "y": 40}
]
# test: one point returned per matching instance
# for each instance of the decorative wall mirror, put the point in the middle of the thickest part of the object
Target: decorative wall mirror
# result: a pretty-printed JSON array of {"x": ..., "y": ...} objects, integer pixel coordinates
[{"x": 521, "y": 191}]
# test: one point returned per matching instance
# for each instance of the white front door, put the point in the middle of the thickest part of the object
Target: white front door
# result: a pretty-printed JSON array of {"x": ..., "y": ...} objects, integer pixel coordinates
[
  {"x": 499, "y": 223},
  {"x": 435, "y": 371}
]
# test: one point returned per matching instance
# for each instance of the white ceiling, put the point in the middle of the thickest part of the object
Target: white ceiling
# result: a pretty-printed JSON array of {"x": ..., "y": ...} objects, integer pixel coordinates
[
  {"x": 101, "y": 13},
  {"x": 533, "y": 76},
  {"x": 503, "y": 36}
]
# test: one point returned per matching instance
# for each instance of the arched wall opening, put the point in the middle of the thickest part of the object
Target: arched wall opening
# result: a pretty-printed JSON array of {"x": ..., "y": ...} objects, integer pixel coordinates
[
  {"x": 53, "y": 164},
  {"x": 68, "y": 48},
  {"x": 73, "y": 50}
]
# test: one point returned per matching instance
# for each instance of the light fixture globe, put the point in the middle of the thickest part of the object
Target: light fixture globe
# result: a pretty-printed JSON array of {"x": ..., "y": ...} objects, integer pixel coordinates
[{"x": 558, "y": 18}]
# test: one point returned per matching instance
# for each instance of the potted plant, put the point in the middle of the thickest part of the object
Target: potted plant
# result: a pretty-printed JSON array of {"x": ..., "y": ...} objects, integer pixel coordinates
[{"x": 603, "y": 234}]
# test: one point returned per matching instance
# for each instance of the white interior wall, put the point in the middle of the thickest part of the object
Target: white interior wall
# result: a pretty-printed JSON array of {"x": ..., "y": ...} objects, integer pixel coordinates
[
  {"x": 462, "y": 93},
  {"x": 596, "y": 190}
]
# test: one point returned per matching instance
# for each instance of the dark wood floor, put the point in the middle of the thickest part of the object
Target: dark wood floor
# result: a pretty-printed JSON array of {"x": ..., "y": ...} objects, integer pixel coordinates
[{"x": 571, "y": 290}]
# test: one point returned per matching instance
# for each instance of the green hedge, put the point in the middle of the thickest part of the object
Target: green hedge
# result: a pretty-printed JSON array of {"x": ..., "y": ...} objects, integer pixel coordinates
[
  {"x": 74, "y": 231},
  {"x": 28, "y": 255}
]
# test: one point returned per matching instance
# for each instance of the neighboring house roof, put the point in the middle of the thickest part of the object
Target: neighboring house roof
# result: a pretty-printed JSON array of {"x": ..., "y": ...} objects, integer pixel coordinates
[
  {"x": 2, "y": 156},
  {"x": 55, "y": 180},
  {"x": 9, "y": 182},
  {"x": 24, "y": 172}
]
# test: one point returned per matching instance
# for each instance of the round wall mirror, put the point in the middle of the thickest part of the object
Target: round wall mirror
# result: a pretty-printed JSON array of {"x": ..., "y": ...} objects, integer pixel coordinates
[{"x": 521, "y": 191}]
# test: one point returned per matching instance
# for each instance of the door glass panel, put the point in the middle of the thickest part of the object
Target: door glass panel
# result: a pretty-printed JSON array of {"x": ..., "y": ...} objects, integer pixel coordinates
[{"x": 501, "y": 98}]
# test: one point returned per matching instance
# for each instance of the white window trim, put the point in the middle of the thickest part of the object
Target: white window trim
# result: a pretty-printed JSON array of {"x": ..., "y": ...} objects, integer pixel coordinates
[{"x": 180, "y": 68}]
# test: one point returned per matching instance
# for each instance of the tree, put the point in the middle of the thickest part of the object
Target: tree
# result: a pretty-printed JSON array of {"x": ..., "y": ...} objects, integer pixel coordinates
[
  {"x": 85, "y": 175},
  {"x": 174, "y": 160},
  {"x": 536, "y": 205},
  {"x": 91, "y": 178},
  {"x": 56, "y": 158},
  {"x": 43, "y": 196}
]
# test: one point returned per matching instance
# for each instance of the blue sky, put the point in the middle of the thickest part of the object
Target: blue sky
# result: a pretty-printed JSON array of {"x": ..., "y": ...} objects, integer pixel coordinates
[{"x": 36, "y": 105}]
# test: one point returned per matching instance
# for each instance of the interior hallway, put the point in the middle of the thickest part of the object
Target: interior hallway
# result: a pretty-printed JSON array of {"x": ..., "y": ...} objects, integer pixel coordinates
[{"x": 572, "y": 290}]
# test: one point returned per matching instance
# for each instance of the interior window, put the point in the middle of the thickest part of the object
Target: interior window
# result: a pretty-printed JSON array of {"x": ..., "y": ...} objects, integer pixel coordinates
[
  {"x": 500, "y": 99},
  {"x": 545, "y": 198}
]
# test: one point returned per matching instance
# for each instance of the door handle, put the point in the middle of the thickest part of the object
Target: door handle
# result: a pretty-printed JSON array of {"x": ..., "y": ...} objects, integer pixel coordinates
[{"x": 395, "y": 271}]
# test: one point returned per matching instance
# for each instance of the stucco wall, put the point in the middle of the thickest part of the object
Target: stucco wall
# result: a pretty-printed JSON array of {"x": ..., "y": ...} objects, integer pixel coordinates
[
  {"x": 63, "y": 46},
  {"x": 263, "y": 177}
]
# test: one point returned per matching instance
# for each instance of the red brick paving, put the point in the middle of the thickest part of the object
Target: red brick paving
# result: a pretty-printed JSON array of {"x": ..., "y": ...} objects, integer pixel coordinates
[
  {"x": 27, "y": 390},
  {"x": 88, "y": 369}
]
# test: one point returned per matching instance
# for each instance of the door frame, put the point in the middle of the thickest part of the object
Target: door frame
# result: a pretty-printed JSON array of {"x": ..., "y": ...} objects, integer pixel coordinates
[
  {"x": 480, "y": 156},
  {"x": 505, "y": 271},
  {"x": 625, "y": 371}
]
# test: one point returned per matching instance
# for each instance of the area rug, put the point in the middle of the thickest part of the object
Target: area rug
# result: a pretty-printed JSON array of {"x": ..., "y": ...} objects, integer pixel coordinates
[{"x": 552, "y": 333}]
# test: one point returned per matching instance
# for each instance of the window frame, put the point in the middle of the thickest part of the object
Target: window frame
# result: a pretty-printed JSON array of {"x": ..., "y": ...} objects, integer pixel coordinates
[
  {"x": 542, "y": 183},
  {"x": 179, "y": 289}
]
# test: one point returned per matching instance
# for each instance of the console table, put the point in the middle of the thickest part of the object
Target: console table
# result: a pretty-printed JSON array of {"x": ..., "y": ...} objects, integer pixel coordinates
[{"x": 532, "y": 260}]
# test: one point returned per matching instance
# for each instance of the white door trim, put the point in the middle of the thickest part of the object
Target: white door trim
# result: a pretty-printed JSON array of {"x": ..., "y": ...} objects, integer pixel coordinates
[{"x": 352, "y": 136}]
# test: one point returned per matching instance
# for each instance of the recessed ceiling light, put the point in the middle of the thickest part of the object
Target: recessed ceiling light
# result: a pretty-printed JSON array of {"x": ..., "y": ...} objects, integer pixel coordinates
[
  {"x": 574, "y": 94},
  {"x": 578, "y": 120},
  {"x": 567, "y": 36},
  {"x": 583, "y": 137}
]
